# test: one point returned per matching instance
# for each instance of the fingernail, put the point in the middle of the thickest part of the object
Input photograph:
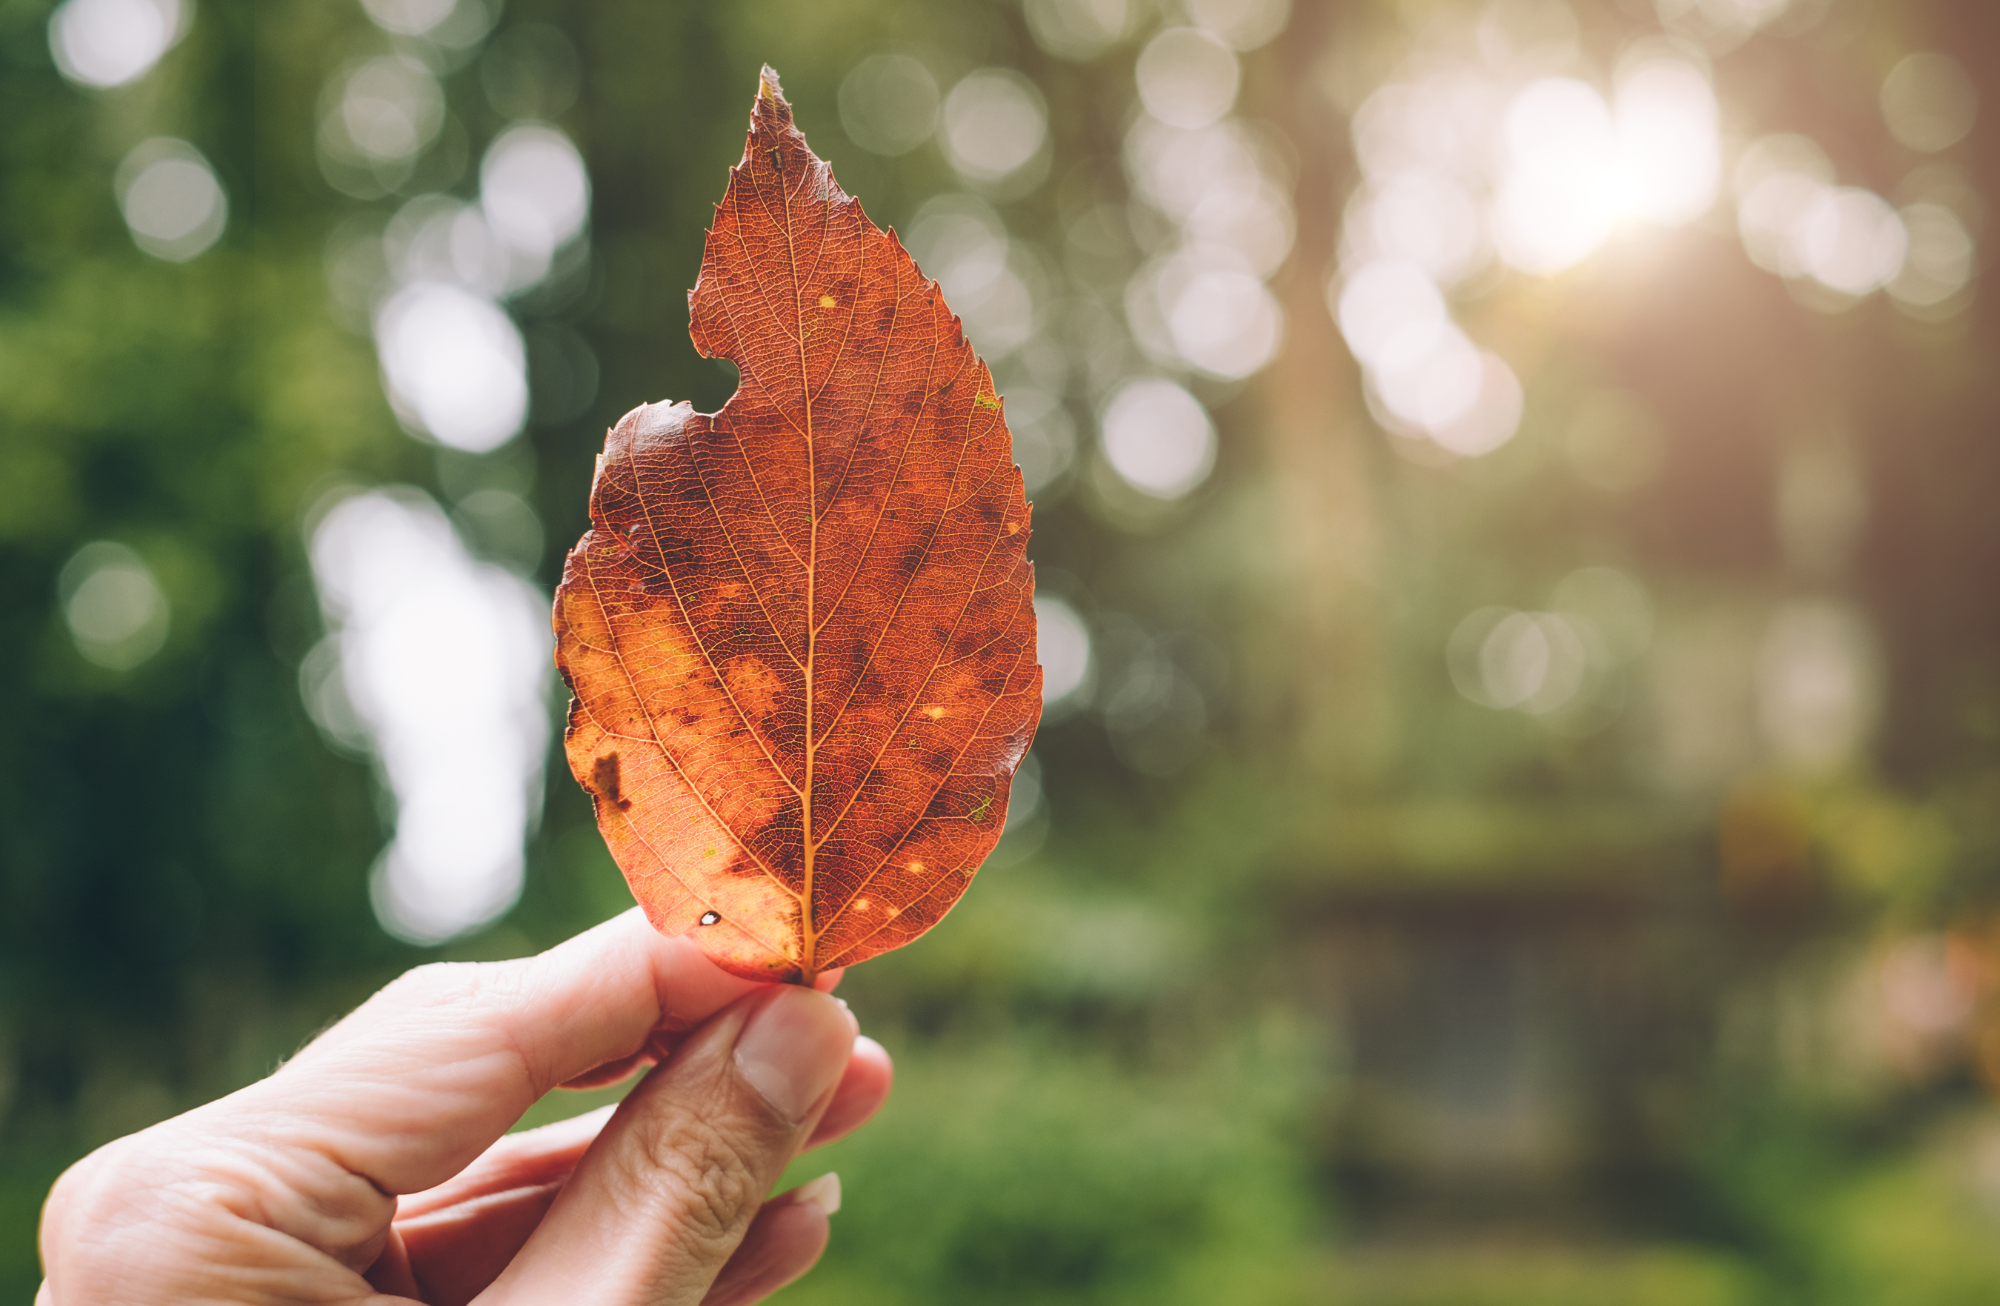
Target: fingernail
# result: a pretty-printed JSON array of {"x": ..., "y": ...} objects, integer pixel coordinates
[
  {"x": 823, "y": 1192},
  {"x": 794, "y": 1049}
]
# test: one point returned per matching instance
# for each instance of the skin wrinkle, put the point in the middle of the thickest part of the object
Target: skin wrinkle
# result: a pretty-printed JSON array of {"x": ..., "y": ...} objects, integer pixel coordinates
[
  {"x": 246, "y": 1200},
  {"x": 692, "y": 1159},
  {"x": 259, "y": 1194},
  {"x": 697, "y": 1178}
]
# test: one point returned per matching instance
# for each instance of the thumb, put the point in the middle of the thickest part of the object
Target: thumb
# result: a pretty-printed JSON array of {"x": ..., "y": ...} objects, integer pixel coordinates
[{"x": 661, "y": 1199}]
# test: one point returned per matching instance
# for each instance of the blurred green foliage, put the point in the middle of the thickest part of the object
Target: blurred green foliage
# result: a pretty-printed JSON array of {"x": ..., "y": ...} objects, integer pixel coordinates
[{"x": 1357, "y": 989}]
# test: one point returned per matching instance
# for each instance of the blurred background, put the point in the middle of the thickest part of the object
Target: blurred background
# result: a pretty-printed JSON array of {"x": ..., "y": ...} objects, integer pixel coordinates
[{"x": 1517, "y": 817}]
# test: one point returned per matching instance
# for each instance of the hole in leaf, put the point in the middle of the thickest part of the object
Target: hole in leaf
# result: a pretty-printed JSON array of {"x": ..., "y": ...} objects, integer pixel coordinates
[
  {"x": 711, "y": 917},
  {"x": 713, "y": 385}
]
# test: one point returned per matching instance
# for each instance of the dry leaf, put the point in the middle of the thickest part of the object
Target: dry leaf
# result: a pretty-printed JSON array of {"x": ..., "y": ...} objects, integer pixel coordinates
[{"x": 800, "y": 631}]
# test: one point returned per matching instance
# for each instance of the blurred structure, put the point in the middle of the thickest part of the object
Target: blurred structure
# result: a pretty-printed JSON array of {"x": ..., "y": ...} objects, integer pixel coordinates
[{"x": 1515, "y": 815}]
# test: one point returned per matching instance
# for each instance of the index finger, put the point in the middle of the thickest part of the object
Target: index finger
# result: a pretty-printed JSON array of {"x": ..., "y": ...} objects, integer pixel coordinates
[{"x": 426, "y": 1074}]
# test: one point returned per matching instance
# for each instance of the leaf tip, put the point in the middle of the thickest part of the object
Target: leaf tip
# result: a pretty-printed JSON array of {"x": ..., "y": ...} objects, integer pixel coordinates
[{"x": 768, "y": 87}]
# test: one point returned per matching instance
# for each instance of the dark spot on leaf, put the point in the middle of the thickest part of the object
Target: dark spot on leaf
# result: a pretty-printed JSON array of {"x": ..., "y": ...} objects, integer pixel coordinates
[{"x": 604, "y": 781}]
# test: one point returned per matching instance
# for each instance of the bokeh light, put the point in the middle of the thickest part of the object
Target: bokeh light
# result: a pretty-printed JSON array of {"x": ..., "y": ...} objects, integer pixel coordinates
[
  {"x": 1391, "y": 313},
  {"x": 1669, "y": 162},
  {"x": 1850, "y": 240},
  {"x": 389, "y": 108},
  {"x": 444, "y": 662},
  {"x": 534, "y": 190},
  {"x": 1044, "y": 436},
  {"x": 1028, "y": 822},
  {"x": 376, "y": 116},
  {"x": 1940, "y": 258},
  {"x": 1187, "y": 78},
  {"x": 1080, "y": 30},
  {"x": 1206, "y": 307},
  {"x": 106, "y": 43},
  {"x": 454, "y": 365},
  {"x": 1203, "y": 304},
  {"x": 1459, "y": 165},
  {"x": 1424, "y": 376},
  {"x": 960, "y": 242},
  {"x": 451, "y": 24},
  {"x": 889, "y": 104},
  {"x": 113, "y": 605},
  {"x": 172, "y": 203},
  {"x": 995, "y": 123},
  {"x": 437, "y": 238},
  {"x": 1929, "y": 102},
  {"x": 1533, "y": 662},
  {"x": 1816, "y": 684},
  {"x": 1777, "y": 180},
  {"x": 1158, "y": 437},
  {"x": 1464, "y": 398},
  {"x": 1722, "y": 25},
  {"x": 408, "y": 17},
  {"x": 1062, "y": 646},
  {"x": 1795, "y": 222},
  {"x": 1244, "y": 24},
  {"x": 1556, "y": 205},
  {"x": 1189, "y": 175},
  {"x": 1422, "y": 217}
]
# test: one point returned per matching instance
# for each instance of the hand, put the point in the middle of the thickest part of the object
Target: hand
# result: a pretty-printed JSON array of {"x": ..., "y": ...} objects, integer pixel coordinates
[{"x": 374, "y": 1167}]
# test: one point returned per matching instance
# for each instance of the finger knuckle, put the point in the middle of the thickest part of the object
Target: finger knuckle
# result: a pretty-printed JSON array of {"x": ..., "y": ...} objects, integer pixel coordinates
[{"x": 707, "y": 1179}]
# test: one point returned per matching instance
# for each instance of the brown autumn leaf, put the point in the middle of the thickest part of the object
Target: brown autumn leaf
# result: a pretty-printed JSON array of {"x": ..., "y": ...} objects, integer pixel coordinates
[{"x": 800, "y": 631}]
